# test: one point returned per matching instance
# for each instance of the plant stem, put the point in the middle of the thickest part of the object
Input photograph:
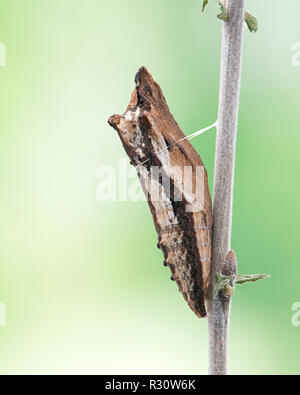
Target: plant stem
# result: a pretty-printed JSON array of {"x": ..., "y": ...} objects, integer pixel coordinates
[{"x": 218, "y": 311}]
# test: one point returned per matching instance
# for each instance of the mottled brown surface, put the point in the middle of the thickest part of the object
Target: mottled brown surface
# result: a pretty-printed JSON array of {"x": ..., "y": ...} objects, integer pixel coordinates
[{"x": 150, "y": 137}]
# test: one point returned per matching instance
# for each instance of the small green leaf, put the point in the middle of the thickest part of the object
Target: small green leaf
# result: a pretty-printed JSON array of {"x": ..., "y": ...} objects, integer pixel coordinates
[
  {"x": 223, "y": 14},
  {"x": 223, "y": 282},
  {"x": 251, "y": 21},
  {"x": 253, "y": 278},
  {"x": 204, "y": 4}
]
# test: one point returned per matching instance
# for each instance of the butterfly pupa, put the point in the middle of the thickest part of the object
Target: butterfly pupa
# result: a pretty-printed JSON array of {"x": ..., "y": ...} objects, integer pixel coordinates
[{"x": 155, "y": 143}]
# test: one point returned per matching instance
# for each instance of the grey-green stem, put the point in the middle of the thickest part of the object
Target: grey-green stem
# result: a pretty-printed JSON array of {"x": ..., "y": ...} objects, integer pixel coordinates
[{"x": 218, "y": 312}]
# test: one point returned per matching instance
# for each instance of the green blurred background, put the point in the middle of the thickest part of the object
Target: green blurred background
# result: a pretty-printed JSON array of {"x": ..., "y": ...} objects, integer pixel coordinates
[{"x": 82, "y": 281}]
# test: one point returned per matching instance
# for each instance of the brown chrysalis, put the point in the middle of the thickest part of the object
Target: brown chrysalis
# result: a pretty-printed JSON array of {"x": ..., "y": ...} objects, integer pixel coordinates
[{"x": 169, "y": 168}]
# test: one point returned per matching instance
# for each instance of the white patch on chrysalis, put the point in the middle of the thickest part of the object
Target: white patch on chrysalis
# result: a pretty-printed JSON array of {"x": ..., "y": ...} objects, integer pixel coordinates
[
  {"x": 128, "y": 116},
  {"x": 165, "y": 157}
]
